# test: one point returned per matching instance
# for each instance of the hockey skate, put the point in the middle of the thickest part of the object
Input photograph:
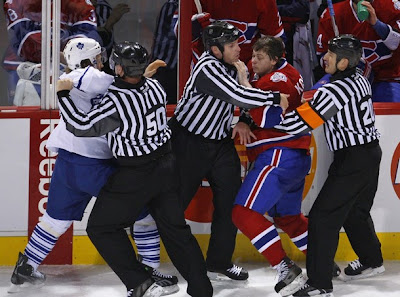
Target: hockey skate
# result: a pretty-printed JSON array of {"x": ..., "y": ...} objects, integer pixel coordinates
[
  {"x": 356, "y": 270},
  {"x": 169, "y": 283},
  {"x": 234, "y": 272},
  {"x": 147, "y": 289},
  {"x": 307, "y": 290},
  {"x": 25, "y": 276},
  {"x": 290, "y": 277}
]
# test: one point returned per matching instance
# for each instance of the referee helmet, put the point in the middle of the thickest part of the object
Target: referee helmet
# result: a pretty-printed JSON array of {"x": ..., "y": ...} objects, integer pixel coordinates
[
  {"x": 219, "y": 33},
  {"x": 346, "y": 46},
  {"x": 133, "y": 58}
]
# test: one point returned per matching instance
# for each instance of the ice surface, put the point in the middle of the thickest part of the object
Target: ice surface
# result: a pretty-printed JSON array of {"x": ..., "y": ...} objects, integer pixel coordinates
[{"x": 100, "y": 281}]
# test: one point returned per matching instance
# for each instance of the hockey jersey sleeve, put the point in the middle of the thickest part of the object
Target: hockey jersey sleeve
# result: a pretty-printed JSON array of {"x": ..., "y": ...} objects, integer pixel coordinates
[
  {"x": 97, "y": 122},
  {"x": 266, "y": 116},
  {"x": 312, "y": 114},
  {"x": 213, "y": 79}
]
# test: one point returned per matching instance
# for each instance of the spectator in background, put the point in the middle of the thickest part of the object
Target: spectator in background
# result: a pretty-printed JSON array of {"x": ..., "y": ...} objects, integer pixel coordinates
[
  {"x": 165, "y": 48},
  {"x": 107, "y": 17},
  {"x": 24, "y": 18},
  {"x": 300, "y": 51},
  {"x": 380, "y": 38},
  {"x": 253, "y": 18}
]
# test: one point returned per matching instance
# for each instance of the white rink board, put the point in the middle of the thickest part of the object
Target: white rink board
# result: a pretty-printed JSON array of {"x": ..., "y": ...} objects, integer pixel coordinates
[{"x": 14, "y": 178}]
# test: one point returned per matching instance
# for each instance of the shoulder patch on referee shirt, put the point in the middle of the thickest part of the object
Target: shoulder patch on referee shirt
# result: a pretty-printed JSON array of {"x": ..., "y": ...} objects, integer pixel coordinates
[{"x": 278, "y": 76}]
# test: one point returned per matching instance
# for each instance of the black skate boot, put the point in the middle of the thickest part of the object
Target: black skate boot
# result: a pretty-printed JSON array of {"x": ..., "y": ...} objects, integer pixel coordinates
[
  {"x": 336, "y": 270},
  {"x": 234, "y": 272},
  {"x": 24, "y": 273},
  {"x": 306, "y": 290},
  {"x": 169, "y": 283},
  {"x": 356, "y": 270},
  {"x": 146, "y": 289},
  {"x": 290, "y": 277}
]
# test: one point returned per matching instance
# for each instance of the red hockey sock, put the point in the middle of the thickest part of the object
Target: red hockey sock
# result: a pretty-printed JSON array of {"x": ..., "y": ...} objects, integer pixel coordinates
[
  {"x": 296, "y": 227},
  {"x": 261, "y": 232}
]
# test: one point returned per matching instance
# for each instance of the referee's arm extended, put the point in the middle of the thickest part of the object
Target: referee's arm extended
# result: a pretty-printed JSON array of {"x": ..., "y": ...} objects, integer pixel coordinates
[
  {"x": 314, "y": 113},
  {"x": 213, "y": 80},
  {"x": 97, "y": 122}
]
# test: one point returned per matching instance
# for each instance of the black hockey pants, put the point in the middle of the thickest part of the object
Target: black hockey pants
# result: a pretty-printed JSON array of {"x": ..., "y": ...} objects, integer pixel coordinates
[
  {"x": 140, "y": 181},
  {"x": 218, "y": 161},
  {"x": 345, "y": 200}
]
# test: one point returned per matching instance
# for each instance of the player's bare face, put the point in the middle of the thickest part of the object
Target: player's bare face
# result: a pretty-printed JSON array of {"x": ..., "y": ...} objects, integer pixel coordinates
[
  {"x": 262, "y": 63},
  {"x": 99, "y": 63},
  {"x": 231, "y": 52},
  {"x": 330, "y": 62}
]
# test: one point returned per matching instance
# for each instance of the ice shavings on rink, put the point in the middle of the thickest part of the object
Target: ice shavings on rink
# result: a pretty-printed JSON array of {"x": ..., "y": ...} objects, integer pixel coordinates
[{"x": 100, "y": 281}]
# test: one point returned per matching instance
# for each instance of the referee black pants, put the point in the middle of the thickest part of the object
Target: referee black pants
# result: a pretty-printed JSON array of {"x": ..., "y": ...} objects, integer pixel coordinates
[
  {"x": 138, "y": 182},
  {"x": 345, "y": 200},
  {"x": 218, "y": 161}
]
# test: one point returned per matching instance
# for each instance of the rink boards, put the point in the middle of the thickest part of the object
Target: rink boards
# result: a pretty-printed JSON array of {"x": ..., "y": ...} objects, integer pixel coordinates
[{"x": 26, "y": 168}]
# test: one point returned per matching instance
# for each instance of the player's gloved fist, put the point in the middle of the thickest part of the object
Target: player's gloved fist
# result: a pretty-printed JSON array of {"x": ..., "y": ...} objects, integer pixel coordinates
[{"x": 202, "y": 18}]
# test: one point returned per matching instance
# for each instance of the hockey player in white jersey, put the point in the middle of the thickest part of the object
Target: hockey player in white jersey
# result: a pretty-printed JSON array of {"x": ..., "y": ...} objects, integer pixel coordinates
[{"x": 82, "y": 168}]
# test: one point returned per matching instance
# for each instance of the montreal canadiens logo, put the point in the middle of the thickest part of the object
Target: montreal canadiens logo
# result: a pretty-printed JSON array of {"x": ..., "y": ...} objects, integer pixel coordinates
[{"x": 395, "y": 171}]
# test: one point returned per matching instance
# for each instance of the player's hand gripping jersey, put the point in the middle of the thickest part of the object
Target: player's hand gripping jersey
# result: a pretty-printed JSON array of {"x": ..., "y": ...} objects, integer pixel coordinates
[
  {"x": 285, "y": 79},
  {"x": 90, "y": 85},
  {"x": 24, "y": 23},
  {"x": 253, "y": 18},
  {"x": 383, "y": 55}
]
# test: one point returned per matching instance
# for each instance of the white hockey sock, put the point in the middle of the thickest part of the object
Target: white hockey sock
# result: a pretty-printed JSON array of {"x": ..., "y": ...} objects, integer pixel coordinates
[
  {"x": 43, "y": 239},
  {"x": 39, "y": 246},
  {"x": 147, "y": 241}
]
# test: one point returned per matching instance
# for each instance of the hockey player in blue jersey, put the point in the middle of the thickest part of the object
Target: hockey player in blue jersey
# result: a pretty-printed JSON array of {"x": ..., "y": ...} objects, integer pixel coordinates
[{"x": 82, "y": 168}]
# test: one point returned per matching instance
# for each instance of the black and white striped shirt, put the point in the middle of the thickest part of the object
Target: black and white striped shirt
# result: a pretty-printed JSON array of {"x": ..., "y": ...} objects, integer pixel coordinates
[
  {"x": 210, "y": 95},
  {"x": 132, "y": 116},
  {"x": 345, "y": 108},
  {"x": 165, "y": 45}
]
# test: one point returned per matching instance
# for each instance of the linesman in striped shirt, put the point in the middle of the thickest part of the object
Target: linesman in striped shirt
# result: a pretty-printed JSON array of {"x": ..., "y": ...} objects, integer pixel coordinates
[
  {"x": 202, "y": 137},
  {"x": 344, "y": 108},
  {"x": 132, "y": 115}
]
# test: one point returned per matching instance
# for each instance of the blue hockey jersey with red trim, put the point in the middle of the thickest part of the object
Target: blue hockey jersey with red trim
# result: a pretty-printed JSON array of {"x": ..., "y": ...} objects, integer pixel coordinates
[{"x": 24, "y": 18}]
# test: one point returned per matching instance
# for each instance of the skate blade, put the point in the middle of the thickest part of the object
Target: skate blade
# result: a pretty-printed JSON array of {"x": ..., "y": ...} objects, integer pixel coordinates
[
  {"x": 215, "y": 276},
  {"x": 170, "y": 290},
  {"x": 326, "y": 295},
  {"x": 371, "y": 273},
  {"x": 24, "y": 287},
  {"x": 294, "y": 286},
  {"x": 153, "y": 291}
]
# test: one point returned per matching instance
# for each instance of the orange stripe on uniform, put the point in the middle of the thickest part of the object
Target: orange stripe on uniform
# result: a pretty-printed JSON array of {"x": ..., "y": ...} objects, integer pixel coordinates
[{"x": 309, "y": 115}]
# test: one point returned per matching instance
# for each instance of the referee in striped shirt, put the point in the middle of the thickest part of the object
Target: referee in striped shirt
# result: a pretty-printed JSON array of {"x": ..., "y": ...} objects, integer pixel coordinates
[
  {"x": 133, "y": 116},
  {"x": 202, "y": 137},
  {"x": 344, "y": 107}
]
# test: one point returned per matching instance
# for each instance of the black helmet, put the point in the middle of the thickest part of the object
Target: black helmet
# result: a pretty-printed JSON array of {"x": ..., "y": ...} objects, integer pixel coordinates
[
  {"x": 346, "y": 46},
  {"x": 219, "y": 33},
  {"x": 133, "y": 58}
]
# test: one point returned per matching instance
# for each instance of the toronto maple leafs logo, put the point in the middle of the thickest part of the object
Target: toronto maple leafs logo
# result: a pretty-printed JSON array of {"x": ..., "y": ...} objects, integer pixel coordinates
[{"x": 80, "y": 45}]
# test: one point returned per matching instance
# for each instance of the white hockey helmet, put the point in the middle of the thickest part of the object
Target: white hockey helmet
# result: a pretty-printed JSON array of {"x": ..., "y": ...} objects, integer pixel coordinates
[{"x": 79, "y": 49}]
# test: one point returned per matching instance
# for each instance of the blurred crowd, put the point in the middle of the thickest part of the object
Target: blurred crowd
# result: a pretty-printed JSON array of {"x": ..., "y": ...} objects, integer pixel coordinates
[{"x": 305, "y": 27}]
